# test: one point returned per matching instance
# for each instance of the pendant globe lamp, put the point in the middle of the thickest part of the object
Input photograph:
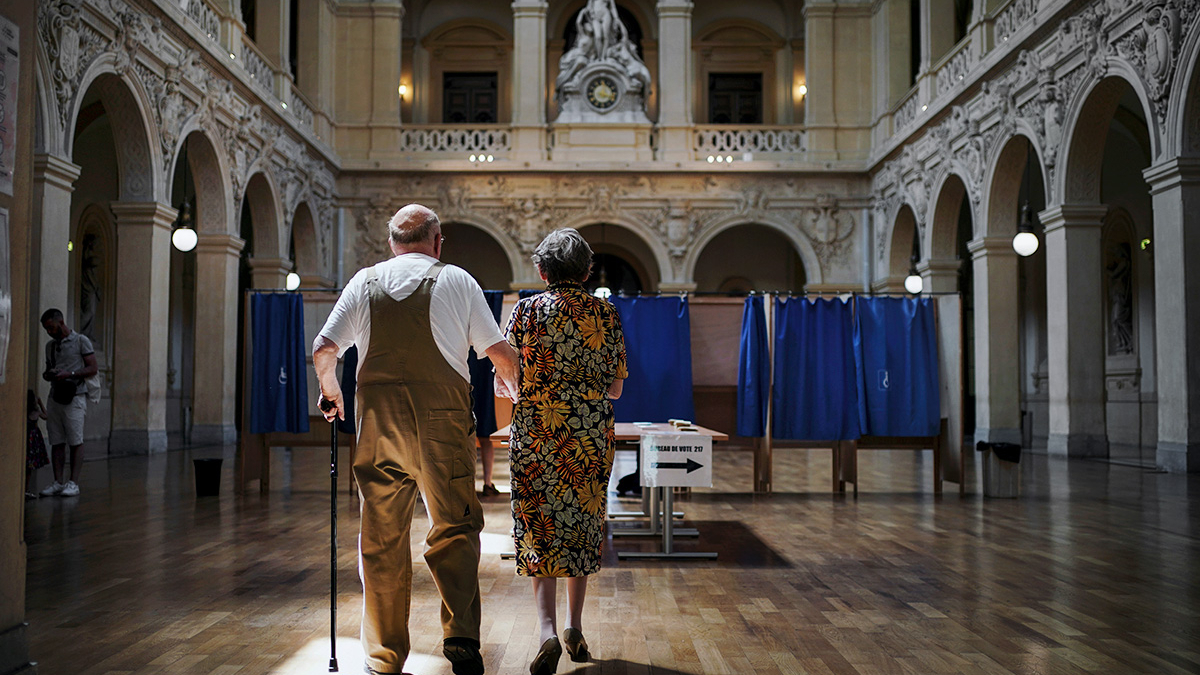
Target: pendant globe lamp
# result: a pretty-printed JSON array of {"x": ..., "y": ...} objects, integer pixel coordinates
[
  {"x": 184, "y": 237},
  {"x": 1025, "y": 242}
]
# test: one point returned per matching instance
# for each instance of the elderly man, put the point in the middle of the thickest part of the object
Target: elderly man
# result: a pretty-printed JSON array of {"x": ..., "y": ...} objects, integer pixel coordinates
[
  {"x": 413, "y": 319},
  {"x": 70, "y": 360}
]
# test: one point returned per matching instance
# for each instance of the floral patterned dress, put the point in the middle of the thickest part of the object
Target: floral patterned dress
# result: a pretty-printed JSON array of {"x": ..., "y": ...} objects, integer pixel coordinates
[{"x": 562, "y": 443}]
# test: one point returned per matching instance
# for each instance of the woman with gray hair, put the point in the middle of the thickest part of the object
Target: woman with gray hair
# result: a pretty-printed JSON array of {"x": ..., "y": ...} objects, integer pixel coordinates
[{"x": 572, "y": 366}]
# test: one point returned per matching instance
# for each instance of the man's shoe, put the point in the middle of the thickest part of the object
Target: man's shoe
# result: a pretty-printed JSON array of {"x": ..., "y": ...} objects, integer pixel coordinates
[
  {"x": 31, "y": 495},
  {"x": 53, "y": 490},
  {"x": 69, "y": 490},
  {"x": 463, "y": 655},
  {"x": 489, "y": 490}
]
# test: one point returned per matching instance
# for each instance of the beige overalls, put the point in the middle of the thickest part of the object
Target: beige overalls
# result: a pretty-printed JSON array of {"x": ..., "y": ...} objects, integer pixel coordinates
[{"x": 415, "y": 431}]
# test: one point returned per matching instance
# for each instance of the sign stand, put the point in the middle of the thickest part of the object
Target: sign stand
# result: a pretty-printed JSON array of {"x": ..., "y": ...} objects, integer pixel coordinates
[
  {"x": 671, "y": 460},
  {"x": 656, "y": 514}
]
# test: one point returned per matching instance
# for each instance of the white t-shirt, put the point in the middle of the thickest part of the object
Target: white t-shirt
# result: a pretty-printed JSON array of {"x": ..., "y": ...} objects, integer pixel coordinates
[{"x": 458, "y": 315}]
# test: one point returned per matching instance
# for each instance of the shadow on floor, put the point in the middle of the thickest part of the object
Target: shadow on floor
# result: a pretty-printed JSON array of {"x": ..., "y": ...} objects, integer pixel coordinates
[{"x": 735, "y": 545}]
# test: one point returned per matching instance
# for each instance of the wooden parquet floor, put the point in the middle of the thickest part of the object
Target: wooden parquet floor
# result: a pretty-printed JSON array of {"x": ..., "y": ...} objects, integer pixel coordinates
[{"x": 1095, "y": 569}]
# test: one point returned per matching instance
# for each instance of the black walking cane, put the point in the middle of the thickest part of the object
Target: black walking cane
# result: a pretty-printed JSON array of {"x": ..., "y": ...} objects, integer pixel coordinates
[{"x": 326, "y": 406}]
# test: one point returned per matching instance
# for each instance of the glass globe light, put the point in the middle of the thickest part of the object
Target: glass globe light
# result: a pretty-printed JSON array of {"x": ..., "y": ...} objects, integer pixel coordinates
[
  {"x": 184, "y": 239},
  {"x": 293, "y": 281},
  {"x": 914, "y": 284}
]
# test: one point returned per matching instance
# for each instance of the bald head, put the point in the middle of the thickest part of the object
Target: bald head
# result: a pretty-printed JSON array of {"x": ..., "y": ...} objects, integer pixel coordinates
[{"x": 415, "y": 229}]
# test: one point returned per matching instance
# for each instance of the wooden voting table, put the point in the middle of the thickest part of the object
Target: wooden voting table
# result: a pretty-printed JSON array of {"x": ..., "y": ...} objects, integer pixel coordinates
[
  {"x": 628, "y": 432},
  {"x": 657, "y": 503}
]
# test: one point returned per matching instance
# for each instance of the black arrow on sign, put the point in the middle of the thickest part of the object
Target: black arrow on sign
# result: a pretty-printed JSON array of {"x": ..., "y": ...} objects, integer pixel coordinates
[{"x": 691, "y": 465}]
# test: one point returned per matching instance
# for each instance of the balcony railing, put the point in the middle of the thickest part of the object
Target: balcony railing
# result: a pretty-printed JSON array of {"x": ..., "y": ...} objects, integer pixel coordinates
[
  {"x": 1013, "y": 18},
  {"x": 758, "y": 142},
  {"x": 256, "y": 67},
  {"x": 456, "y": 141},
  {"x": 906, "y": 112},
  {"x": 955, "y": 67},
  {"x": 204, "y": 16},
  {"x": 300, "y": 109}
]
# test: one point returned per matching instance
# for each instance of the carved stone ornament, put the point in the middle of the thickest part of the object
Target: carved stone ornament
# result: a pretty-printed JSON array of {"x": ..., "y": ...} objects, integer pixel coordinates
[
  {"x": 600, "y": 78},
  {"x": 527, "y": 220},
  {"x": 830, "y": 230}
]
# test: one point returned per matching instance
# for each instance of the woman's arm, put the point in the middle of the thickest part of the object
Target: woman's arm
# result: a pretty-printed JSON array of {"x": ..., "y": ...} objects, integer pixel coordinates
[{"x": 614, "y": 389}]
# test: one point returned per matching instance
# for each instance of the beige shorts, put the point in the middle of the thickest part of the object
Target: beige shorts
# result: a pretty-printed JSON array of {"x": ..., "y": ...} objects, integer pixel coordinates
[{"x": 65, "y": 422}]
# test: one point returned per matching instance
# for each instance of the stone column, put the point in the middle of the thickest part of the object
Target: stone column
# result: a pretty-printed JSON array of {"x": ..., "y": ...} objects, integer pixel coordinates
[
  {"x": 939, "y": 275},
  {"x": 272, "y": 30},
  {"x": 139, "y": 423},
  {"x": 269, "y": 273},
  {"x": 997, "y": 396},
  {"x": 215, "y": 380},
  {"x": 1175, "y": 191},
  {"x": 1075, "y": 329},
  {"x": 529, "y": 80},
  {"x": 675, "y": 80},
  {"x": 53, "y": 182}
]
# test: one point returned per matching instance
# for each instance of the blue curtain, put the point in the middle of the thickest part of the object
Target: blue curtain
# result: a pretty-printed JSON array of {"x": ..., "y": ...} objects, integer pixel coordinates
[
  {"x": 527, "y": 293},
  {"x": 754, "y": 374},
  {"x": 815, "y": 396},
  {"x": 483, "y": 393},
  {"x": 279, "y": 383},
  {"x": 895, "y": 349},
  {"x": 658, "y": 348}
]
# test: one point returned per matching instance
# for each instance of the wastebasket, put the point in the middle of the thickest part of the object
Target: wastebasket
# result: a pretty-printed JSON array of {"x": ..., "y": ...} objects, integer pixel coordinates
[
  {"x": 208, "y": 477},
  {"x": 1001, "y": 469}
]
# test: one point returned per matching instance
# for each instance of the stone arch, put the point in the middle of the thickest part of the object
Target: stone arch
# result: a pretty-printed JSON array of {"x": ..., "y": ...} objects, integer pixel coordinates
[
  {"x": 306, "y": 242},
  {"x": 262, "y": 198},
  {"x": 517, "y": 261},
  {"x": 808, "y": 255},
  {"x": 942, "y": 242},
  {"x": 490, "y": 273},
  {"x": 1087, "y": 119},
  {"x": 1003, "y": 180},
  {"x": 210, "y": 176},
  {"x": 139, "y": 158},
  {"x": 1181, "y": 131},
  {"x": 661, "y": 258},
  {"x": 49, "y": 134},
  {"x": 900, "y": 243}
]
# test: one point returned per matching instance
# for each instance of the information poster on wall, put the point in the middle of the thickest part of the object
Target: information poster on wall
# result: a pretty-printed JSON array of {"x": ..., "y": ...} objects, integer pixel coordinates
[
  {"x": 5, "y": 292},
  {"x": 9, "y": 68}
]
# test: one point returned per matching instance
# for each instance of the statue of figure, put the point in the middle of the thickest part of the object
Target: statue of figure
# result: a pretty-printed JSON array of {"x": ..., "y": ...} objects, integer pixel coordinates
[
  {"x": 600, "y": 78},
  {"x": 1120, "y": 298},
  {"x": 89, "y": 287}
]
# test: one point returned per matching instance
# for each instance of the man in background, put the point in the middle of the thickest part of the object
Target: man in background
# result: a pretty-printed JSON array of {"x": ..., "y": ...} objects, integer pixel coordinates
[{"x": 70, "y": 360}]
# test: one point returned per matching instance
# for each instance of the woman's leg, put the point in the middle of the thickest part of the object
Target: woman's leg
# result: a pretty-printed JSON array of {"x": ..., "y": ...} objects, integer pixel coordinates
[
  {"x": 544, "y": 591},
  {"x": 487, "y": 456},
  {"x": 576, "y": 590}
]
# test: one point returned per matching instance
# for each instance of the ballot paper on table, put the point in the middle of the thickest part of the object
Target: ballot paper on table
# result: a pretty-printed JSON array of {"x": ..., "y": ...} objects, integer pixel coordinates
[{"x": 676, "y": 460}]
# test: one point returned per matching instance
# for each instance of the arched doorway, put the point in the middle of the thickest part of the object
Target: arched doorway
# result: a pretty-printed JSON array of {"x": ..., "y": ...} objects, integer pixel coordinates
[
  {"x": 478, "y": 252},
  {"x": 1011, "y": 362},
  {"x": 1103, "y": 380},
  {"x": 621, "y": 258},
  {"x": 749, "y": 257}
]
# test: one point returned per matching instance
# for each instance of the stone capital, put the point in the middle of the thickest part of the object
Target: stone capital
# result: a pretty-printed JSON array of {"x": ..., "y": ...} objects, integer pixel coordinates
[
  {"x": 226, "y": 244},
  {"x": 57, "y": 171},
  {"x": 1172, "y": 173},
  {"x": 1073, "y": 216},
  {"x": 259, "y": 264},
  {"x": 984, "y": 247},
  {"x": 155, "y": 214},
  {"x": 529, "y": 9},
  {"x": 675, "y": 9}
]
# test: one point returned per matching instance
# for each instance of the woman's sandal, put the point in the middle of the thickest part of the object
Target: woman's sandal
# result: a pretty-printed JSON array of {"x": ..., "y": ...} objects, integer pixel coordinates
[
  {"x": 577, "y": 647},
  {"x": 546, "y": 661}
]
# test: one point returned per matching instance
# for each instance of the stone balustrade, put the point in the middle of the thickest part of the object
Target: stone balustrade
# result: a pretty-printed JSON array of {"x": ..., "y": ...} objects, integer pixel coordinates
[
  {"x": 759, "y": 141},
  {"x": 261, "y": 74},
  {"x": 955, "y": 67},
  {"x": 301, "y": 110},
  {"x": 204, "y": 15},
  {"x": 442, "y": 141},
  {"x": 1013, "y": 18},
  {"x": 906, "y": 112}
]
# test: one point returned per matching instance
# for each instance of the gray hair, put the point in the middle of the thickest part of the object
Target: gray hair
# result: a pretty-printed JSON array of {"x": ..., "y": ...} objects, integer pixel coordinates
[
  {"x": 563, "y": 256},
  {"x": 413, "y": 224}
]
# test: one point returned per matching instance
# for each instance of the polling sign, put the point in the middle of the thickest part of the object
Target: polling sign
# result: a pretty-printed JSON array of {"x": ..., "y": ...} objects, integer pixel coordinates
[{"x": 676, "y": 460}]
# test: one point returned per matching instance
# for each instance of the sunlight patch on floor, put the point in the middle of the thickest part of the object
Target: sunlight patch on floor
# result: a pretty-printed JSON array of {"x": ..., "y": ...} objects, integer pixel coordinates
[{"x": 313, "y": 659}]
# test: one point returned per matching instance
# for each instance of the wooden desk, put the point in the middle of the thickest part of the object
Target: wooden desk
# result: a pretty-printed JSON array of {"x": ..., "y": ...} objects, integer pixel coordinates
[
  {"x": 628, "y": 432},
  {"x": 254, "y": 453}
]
